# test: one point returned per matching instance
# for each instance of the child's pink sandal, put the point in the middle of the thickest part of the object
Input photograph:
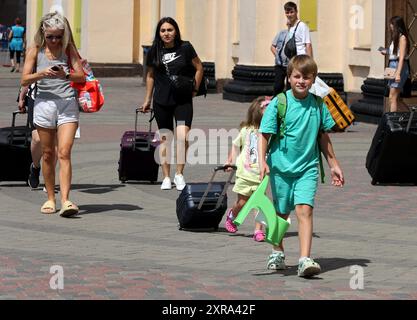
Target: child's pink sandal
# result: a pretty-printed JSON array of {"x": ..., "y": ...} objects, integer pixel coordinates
[
  {"x": 229, "y": 225},
  {"x": 259, "y": 236}
]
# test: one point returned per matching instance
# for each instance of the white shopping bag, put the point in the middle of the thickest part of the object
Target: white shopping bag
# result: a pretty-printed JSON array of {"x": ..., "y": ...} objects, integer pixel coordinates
[{"x": 320, "y": 88}]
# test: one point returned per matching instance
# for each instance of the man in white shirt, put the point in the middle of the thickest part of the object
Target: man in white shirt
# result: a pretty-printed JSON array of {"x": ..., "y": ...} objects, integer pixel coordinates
[{"x": 302, "y": 42}]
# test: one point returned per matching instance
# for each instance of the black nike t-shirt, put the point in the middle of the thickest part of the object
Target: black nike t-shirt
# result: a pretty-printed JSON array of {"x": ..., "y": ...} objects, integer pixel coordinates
[{"x": 179, "y": 62}]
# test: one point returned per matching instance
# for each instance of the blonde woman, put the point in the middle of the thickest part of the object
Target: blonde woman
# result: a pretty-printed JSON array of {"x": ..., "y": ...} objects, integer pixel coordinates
[{"x": 56, "y": 113}]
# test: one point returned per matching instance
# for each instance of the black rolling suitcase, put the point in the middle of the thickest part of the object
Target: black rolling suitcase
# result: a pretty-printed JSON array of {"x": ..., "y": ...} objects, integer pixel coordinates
[
  {"x": 15, "y": 156},
  {"x": 137, "y": 154},
  {"x": 203, "y": 205},
  {"x": 392, "y": 157}
]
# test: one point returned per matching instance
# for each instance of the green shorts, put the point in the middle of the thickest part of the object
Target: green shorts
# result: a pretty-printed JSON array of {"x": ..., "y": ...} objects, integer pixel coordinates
[
  {"x": 288, "y": 192},
  {"x": 245, "y": 187}
]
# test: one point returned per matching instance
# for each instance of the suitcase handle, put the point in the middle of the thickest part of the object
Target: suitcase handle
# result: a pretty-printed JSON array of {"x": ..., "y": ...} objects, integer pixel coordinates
[
  {"x": 15, "y": 113},
  {"x": 226, "y": 186},
  {"x": 151, "y": 117},
  {"x": 413, "y": 109}
]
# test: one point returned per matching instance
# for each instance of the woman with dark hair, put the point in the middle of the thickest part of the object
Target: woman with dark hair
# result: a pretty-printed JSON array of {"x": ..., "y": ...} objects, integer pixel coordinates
[
  {"x": 16, "y": 44},
  {"x": 169, "y": 59},
  {"x": 398, "y": 59}
]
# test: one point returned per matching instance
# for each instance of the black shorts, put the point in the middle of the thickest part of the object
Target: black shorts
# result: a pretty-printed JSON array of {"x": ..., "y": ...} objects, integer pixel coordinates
[{"x": 164, "y": 115}]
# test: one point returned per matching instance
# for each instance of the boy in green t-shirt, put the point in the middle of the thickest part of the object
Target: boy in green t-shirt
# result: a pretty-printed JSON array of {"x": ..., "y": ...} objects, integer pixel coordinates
[{"x": 293, "y": 159}]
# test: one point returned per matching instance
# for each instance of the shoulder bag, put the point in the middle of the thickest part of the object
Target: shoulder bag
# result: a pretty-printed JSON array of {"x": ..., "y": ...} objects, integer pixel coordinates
[
  {"x": 182, "y": 86},
  {"x": 290, "y": 49},
  {"x": 89, "y": 93}
]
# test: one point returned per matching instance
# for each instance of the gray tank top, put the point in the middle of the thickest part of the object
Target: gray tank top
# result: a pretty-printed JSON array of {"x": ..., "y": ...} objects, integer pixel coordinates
[{"x": 53, "y": 88}]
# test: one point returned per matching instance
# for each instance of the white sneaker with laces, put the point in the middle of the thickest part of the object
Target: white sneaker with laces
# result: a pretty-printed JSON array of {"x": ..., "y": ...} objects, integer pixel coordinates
[
  {"x": 166, "y": 184},
  {"x": 179, "y": 182}
]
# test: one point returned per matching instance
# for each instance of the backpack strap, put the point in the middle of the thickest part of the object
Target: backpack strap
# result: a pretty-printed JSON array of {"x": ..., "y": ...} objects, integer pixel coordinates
[
  {"x": 319, "y": 102},
  {"x": 282, "y": 111}
]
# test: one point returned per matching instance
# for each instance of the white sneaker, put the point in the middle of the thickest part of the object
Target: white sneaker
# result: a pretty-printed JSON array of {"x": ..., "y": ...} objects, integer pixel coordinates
[
  {"x": 166, "y": 184},
  {"x": 179, "y": 182}
]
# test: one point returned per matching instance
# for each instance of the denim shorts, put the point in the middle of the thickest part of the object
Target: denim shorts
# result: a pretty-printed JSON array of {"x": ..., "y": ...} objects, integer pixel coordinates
[
  {"x": 50, "y": 114},
  {"x": 289, "y": 192},
  {"x": 404, "y": 74}
]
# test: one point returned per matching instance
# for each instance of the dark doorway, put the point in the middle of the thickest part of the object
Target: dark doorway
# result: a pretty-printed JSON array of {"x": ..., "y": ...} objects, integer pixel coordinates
[
  {"x": 408, "y": 10},
  {"x": 10, "y": 10}
]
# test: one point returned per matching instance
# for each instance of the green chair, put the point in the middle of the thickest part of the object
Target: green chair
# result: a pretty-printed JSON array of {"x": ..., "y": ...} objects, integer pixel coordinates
[{"x": 276, "y": 227}]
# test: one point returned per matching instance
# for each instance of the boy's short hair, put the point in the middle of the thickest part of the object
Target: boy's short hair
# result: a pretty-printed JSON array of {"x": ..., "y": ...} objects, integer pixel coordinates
[
  {"x": 303, "y": 63},
  {"x": 290, "y": 6}
]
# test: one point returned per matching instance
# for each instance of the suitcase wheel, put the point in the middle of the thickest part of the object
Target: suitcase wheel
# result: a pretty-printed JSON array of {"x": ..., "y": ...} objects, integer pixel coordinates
[
  {"x": 373, "y": 182},
  {"x": 123, "y": 180}
]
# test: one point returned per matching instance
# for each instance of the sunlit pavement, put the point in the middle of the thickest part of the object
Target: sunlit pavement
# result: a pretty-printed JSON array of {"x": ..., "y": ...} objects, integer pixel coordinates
[{"x": 125, "y": 243}]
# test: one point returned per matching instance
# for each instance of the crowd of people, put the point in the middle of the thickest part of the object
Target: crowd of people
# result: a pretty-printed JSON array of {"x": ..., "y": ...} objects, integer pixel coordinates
[{"x": 265, "y": 145}]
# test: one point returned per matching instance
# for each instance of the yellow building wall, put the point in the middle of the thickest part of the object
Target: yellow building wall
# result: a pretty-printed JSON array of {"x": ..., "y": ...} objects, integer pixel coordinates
[
  {"x": 329, "y": 41},
  {"x": 110, "y": 31},
  {"x": 230, "y": 32}
]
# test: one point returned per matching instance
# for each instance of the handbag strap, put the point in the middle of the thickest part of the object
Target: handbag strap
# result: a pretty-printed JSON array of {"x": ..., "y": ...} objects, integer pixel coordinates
[
  {"x": 296, "y": 27},
  {"x": 166, "y": 66}
]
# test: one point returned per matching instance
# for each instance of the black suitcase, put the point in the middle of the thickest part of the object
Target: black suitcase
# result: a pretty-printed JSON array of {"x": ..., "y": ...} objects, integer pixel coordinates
[
  {"x": 392, "y": 157},
  {"x": 203, "y": 205},
  {"x": 15, "y": 153},
  {"x": 137, "y": 154}
]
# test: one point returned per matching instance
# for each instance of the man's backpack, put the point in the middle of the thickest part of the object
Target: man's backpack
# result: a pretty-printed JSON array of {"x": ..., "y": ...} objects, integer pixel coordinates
[{"x": 282, "y": 111}]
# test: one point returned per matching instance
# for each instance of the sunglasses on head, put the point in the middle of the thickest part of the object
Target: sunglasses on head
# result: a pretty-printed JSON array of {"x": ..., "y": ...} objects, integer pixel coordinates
[{"x": 50, "y": 37}]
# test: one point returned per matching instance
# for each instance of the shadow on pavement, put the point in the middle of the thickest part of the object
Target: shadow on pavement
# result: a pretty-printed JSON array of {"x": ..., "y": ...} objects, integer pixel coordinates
[
  {"x": 16, "y": 185},
  {"x": 145, "y": 183},
  {"x": 95, "y": 188},
  {"x": 287, "y": 235},
  {"x": 100, "y": 208},
  {"x": 395, "y": 185},
  {"x": 330, "y": 264},
  {"x": 326, "y": 264}
]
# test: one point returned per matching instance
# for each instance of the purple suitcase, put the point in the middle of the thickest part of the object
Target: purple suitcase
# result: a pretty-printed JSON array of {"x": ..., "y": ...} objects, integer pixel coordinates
[{"x": 137, "y": 149}]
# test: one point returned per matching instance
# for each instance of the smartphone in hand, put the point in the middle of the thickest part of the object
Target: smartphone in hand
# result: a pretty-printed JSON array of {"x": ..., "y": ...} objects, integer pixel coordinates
[
  {"x": 382, "y": 49},
  {"x": 56, "y": 68}
]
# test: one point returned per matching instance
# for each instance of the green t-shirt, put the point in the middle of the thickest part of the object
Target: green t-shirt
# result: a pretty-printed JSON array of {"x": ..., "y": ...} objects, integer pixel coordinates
[
  {"x": 248, "y": 160},
  {"x": 297, "y": 151}
]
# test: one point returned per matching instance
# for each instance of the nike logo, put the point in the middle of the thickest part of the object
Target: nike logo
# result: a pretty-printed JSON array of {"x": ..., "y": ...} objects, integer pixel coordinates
[{"x": 169, "y": 57}]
